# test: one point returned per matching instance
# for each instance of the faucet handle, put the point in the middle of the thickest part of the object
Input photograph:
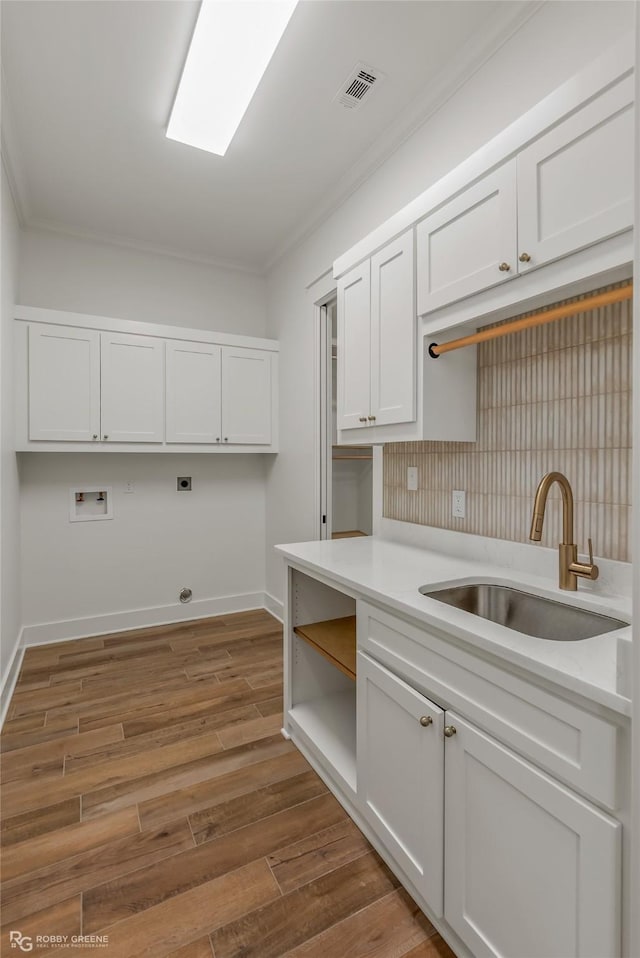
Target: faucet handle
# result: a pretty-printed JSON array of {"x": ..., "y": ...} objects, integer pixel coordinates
[
  {"x": 590, "y": 551},
  {"x": 586, "y": 570}
]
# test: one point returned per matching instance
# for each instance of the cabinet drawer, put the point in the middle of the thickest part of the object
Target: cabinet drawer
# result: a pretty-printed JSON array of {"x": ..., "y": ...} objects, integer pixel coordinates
[{"x": 573, "y": 744}]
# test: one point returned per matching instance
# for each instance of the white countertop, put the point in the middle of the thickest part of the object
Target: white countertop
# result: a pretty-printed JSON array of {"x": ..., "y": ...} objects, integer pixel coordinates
[{"x": 390, "y": 573}]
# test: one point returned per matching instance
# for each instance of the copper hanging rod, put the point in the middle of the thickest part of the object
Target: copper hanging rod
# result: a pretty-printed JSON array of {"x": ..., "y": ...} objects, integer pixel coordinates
[{"x": 538, "y": 319}]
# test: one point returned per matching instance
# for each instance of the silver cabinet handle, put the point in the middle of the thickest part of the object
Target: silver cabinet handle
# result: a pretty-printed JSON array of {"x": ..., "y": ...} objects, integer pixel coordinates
[
  {"x": 450, "y": 730},
  {"x": 426, "y": 720}
]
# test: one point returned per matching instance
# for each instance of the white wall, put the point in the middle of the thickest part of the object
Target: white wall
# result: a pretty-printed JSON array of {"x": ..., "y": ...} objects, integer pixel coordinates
[
  {"x": 558, "y": 41},
  {"x": 9, "y": 488},
  {"x": 211, "y": 539},
  {"x": 62, "y": 272}
]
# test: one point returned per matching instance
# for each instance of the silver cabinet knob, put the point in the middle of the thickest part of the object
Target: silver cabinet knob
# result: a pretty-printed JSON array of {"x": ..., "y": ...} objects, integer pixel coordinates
[
  {"x": 226, "y": 439},
  {"x": 105, "y": 436},
  {"x": 371, "y": 418},
  {"x": 426, "y": 720},
  {"x": 217, "y": 438},
  {"x": 362, "y": 419},
  {"x": 95, "y": 435},
  {"x": 524, "y": 258},
  {"x": 504, "y": 267},
  {"x": 450, "y": 730}
]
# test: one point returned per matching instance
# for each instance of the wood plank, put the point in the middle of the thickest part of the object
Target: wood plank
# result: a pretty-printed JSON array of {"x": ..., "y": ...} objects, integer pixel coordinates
[
  {"x": 77, "y": 873},
  {"x": 250, "y": 731},
  {"x": 271, "y": 706},
  {"x": 259, "y": 804},
  {"x": 24, "y": 724},
  {"x": 197, "y": 949},
  {"x": 435, "y": 947},
  {"x": 112, "y": 797},
  {"x": 19, "y": 828},
  {"x": 141, "y": 744},
  {"x": 351, "y": 533},
  {"x": 297, "y": 864},
  {"x": 24, "y": 762},
  {"x": 388, "y": 928},
  {"x": 60, "y": 919},
  {"x": 116, "y": 771},
  {"x": 269, "y": 931},
  {"x": 335, "y": 639},
  {"x": 147, "y": 887},
  {"x": 233, "y": 694},
  {"x": 52, "y": 730},
  {"x": 224, "y": 788},
  {"x": 36, "y": 853},
  {"x": 158, "y": 931}
]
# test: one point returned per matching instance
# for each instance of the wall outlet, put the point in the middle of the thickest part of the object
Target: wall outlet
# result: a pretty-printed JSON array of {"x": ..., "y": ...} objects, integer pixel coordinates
[
  {"x": 458, "y": 504},
  {"x": 412, "y": 478},
  {"x": 128, "y": 485}
]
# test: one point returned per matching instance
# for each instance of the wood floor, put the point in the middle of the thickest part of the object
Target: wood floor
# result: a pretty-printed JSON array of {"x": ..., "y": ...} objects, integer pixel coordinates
[{"x": 148, "y": 796}]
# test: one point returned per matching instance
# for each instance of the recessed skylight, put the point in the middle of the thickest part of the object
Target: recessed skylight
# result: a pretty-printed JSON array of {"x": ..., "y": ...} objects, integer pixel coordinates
[{"x": 230, "y": 50}]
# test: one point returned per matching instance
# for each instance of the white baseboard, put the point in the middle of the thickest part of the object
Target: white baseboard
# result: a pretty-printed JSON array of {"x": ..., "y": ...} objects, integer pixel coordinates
[
  {"x": 46, "y": 632},
  {"x": 274, "y": 606},
  {"x": 11, "y": 677}
]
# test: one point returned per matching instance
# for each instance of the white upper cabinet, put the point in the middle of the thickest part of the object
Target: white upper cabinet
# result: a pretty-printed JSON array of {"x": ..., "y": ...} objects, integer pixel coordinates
[
  {"x": 575, "y": 183},
  {"x": 114, "y": 388},
  {"x": 354, "y": 347},
  {"x": 194, "y": 385},
  {"x": 393, "y": 333},
  {"x": 377, "y": 339},
  {"x": 470, "y": 243},
  {"x": 64, "y": 384},
  {"x": 246, "y": 396},
  {"x": 132, "y": 371},
  {"x": 531, "y": 868}
]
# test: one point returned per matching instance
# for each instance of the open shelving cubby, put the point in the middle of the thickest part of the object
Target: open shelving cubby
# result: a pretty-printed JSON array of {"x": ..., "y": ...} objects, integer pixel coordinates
[{"x": 321, "y": 707}]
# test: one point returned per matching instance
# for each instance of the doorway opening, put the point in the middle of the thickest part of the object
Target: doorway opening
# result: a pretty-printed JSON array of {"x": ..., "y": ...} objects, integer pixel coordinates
[{"x": 346, "y": 480}]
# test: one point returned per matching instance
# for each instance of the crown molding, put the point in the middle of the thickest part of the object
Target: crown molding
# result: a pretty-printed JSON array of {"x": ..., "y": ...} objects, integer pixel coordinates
[
  {"x": 471, "y": 57},
  {"x": 124, "y": 242}
]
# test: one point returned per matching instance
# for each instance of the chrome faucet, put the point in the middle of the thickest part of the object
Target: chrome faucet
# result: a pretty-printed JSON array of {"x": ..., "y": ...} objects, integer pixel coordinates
[{"x": 570, "y": 568}]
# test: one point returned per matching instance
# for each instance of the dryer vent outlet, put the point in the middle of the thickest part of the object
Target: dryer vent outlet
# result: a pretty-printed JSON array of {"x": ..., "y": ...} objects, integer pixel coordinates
[{"x": 185, "y": 595}]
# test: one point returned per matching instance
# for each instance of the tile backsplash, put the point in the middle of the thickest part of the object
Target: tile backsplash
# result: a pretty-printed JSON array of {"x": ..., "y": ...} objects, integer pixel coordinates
[{"x": 556, "y": 397}]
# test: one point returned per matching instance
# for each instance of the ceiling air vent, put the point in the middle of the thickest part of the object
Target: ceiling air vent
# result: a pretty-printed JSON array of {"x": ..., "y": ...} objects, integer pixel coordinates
[{"x": 357, "y": 87}]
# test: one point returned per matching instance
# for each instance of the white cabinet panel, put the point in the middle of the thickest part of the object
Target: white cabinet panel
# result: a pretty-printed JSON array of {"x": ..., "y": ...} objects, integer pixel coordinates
[
  {"x": 575, "y": 183},
  {"x": 393, "y": 333},
  {"x": 64, "y": 383},
  {"x": 400, "y": 774},
  {"x": 531, "y": 869},
  {"x": 246, "y": 396},
  {"x": 354, "y": 347},
  {"x": 193, "y": 392},
  {"x": 461, "y": 247},
  {"x": 132, "y": 388}
]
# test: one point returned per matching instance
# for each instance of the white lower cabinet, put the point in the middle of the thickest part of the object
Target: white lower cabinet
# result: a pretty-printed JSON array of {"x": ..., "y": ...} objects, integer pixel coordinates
[
  {"x": 518, "y": 864},
  {"x": 401, "y": 773},
  {"x": 531, "y": 869}
]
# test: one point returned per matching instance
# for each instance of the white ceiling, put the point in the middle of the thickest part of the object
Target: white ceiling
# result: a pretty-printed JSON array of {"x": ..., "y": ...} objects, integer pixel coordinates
[{"x": 87, "y": 89}]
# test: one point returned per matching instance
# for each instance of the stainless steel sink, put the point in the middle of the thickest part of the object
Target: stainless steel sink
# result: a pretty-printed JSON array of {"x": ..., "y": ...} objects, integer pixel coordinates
[{"x": 525, "y": 612}]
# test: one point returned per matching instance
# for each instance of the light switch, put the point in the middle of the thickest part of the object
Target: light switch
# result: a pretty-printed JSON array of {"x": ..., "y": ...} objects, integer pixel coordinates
[{"x": 412, "y": 478}]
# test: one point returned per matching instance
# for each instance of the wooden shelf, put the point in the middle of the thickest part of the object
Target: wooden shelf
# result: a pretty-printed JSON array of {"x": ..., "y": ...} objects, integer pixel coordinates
[
  {"x": 347, "y": 535},
  {"x": 352, "y": 453},
  {"x": 335, "y": 639}
]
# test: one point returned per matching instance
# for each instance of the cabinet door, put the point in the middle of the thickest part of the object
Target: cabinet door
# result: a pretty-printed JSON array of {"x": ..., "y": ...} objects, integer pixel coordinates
[
  {"x": 132, "y": 388},
  {"x": 193, "y": 392},
  {"x": 461, "y": 247},
  {"x": 246, "y": 396},
  {"x": 354, "y": 347},
  {"x": 393, "y": 333},
  {"x": 400, "y": 774},
  {"x": 575, "y": 183},
  {"x": 64, "y": 383},
  {"x": 531, "y": 868}
]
